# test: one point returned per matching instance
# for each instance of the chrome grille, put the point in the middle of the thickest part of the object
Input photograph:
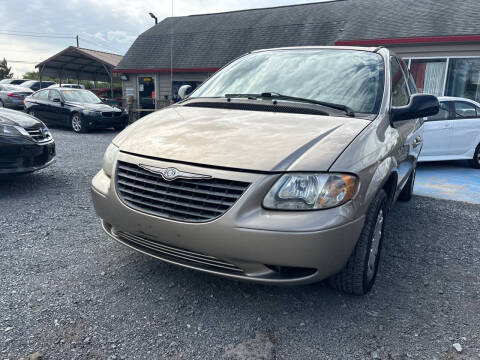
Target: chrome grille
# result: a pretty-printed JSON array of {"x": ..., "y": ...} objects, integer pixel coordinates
[
  {"x": 167, "y": 252},
  {"x": 39, "y": 134},
  {"x": 181, "y": 199}
]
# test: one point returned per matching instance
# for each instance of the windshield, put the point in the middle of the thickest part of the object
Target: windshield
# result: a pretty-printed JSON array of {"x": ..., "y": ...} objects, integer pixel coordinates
[
  {"x": 346, "y": 77},
  {"x": 82, "y": 96}
]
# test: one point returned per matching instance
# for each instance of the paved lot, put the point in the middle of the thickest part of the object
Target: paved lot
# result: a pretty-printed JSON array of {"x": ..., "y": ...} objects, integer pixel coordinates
[
  {"x": 69, "y": 292},
  {"x": 450, "y": 180}
]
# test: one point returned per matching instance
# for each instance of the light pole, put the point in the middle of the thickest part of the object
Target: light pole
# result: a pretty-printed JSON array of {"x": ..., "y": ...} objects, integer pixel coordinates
[{"x": 153, "y": 17}]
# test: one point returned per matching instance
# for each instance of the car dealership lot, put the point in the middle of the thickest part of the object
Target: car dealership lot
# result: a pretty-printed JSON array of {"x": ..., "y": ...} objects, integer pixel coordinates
[{"x": 69, "y": 291}]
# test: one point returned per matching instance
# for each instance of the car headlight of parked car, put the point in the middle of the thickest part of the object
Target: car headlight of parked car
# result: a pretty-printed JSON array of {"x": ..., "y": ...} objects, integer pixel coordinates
[
  {"x": 9, "y": 130},
  {"x": 109, "y": 159},
  {"x": 309, "y": 191},
  {"x": 91, "y": 112}
]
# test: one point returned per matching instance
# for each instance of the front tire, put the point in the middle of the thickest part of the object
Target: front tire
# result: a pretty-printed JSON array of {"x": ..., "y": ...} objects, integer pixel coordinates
[
  {"x": 407, "y": 191},
  {"x": 78, "y": 123},
  {"x": 358, "y": 275},
  {"x": 475, "y": 162}
]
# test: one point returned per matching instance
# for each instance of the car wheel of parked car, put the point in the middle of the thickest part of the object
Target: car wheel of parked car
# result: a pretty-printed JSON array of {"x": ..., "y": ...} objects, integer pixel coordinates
[
  {"x": 476, "y": 158},
  {"x": 78, "y": 123},
  {"x": 407, "y": 191},
  {"x": 1, "y": 104},
  {"x": 358, "y": 275}
]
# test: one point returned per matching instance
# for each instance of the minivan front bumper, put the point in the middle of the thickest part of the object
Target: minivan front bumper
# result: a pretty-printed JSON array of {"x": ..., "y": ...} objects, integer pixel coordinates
[{"x": 246, "y": 243}]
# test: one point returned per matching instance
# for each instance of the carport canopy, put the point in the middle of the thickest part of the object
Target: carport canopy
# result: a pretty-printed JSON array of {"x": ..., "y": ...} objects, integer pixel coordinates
[{"x": 80, "y": 64}]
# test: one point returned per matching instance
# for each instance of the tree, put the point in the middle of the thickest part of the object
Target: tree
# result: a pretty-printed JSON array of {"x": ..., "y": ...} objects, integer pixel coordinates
[
  {"x": 5, "y": 71},
  {"x": 32, "y": 75}
]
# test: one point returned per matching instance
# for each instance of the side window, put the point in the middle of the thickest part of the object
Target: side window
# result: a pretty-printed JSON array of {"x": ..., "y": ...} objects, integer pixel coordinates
[
  {"x": 42, "y": 95},
  {"x": 464, "y": 110},
  {"x": 400, "y": 95},
  {"x": 53, "y": 94},
  {"x": 443, "y": 113}
]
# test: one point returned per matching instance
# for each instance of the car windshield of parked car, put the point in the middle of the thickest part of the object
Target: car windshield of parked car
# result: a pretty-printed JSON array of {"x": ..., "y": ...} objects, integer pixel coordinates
[
  {"x": 81, "y": 96},
  {"x": 347, "y": 77}
]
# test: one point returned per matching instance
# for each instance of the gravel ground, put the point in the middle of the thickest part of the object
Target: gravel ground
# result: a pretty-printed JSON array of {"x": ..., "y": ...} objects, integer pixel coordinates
[{"x": 67, "y": 291}]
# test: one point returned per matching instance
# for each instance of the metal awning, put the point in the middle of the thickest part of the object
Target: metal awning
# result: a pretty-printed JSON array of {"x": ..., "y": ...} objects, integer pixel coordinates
[{"x": 80, "y": 64}]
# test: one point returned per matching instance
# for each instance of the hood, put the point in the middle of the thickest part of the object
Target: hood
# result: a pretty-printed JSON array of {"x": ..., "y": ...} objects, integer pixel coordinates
[
  {"x": 250, "y": 140},
  {"x": 18, "y": 118},
  {"x": 93, "y": 107}
]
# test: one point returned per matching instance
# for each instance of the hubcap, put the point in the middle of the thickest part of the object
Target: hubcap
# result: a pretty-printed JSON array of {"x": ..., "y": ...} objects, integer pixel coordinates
[
  {"x": 478, "y": 158},
  {"x": 377, "y": 235},
  {"x": 76, "y": 123}
]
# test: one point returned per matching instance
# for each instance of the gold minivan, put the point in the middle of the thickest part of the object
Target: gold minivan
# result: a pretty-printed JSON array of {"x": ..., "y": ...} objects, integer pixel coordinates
[{"x": 280, "y": 168}]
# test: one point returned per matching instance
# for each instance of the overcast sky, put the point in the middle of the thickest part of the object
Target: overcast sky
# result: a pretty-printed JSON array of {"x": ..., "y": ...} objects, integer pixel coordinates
[{"x": 106, "y": 25}]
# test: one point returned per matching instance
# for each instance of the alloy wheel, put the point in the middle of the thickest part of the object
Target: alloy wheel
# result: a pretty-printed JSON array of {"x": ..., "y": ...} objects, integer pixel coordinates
[
  {"x": 76, "y": 123},
  {"x": 478, "y": 158},
  {"x": 375, "y": 245}
]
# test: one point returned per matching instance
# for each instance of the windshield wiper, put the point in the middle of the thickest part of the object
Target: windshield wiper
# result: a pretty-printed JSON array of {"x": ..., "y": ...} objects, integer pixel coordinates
[{"x": 274, "y": 95}]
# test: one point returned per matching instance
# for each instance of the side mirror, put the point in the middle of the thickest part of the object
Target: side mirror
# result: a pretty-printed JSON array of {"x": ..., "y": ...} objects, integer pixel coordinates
[
  {"x": 184, "y": 91},
  {"x": 420, "y": 105},
  {"x": 57, "y": 100}
]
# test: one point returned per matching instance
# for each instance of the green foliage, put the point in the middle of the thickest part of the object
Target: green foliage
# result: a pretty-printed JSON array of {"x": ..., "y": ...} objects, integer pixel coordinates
[{"x": 5, "y": 71}]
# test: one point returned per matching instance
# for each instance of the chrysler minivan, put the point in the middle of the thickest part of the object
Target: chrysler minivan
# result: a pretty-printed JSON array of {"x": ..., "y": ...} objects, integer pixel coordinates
[{"x": 281, "y": 168}]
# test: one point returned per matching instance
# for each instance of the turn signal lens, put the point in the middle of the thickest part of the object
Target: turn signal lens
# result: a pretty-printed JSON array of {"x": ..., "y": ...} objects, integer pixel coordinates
[{"x": 109, "y": 159}]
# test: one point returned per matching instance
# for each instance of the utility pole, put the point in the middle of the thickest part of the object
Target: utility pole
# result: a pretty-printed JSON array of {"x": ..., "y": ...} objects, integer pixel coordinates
[{"x": 77, "y": 41}]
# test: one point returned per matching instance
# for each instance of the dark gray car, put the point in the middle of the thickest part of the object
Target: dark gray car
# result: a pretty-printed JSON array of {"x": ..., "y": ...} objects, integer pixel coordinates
[{"x": 12, "y": 96}]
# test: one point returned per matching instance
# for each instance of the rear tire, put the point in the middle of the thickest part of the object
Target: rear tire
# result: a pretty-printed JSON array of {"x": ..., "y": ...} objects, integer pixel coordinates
[
  {"x": 358, "y": 275},
  {"x": 407, "y": 191},
  {"x": 475, "y": 162},
  {"x": 78, "y": 123}
]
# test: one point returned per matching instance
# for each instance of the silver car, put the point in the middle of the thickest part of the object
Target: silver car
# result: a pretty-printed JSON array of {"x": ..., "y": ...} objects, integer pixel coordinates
[
  {"x": 12, "y": 96},
  {"x": 281, "y": 168}
]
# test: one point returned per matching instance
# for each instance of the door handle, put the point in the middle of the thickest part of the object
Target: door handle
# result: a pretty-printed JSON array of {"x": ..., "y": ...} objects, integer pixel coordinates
[{"x": 417, "y": 141}]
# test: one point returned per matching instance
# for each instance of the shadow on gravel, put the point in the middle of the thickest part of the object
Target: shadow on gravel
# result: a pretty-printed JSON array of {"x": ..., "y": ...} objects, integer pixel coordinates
[{"x": 12, "y": 186}]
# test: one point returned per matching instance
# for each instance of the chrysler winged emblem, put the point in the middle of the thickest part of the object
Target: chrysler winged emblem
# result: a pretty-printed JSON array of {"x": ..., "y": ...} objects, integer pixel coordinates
[{"x": 171, "y": 173}]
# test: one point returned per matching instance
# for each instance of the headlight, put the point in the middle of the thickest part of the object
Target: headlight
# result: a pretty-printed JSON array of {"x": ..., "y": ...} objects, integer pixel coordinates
[
  {"x": 305, "y": 191},
  {"x": 109, "y": 159},
  {"x": 91, "y": 112},
  {"x": 9, "y": 130}
]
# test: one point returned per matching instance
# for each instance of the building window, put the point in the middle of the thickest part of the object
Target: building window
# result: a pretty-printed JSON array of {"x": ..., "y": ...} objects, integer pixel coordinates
[
  {"x": 463, "y": 78},
  {"x": 429, "y": 75}
]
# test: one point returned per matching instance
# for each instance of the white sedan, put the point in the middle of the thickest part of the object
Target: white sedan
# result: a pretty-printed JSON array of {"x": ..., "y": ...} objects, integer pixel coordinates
[{"x": 454, "y": 133}]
